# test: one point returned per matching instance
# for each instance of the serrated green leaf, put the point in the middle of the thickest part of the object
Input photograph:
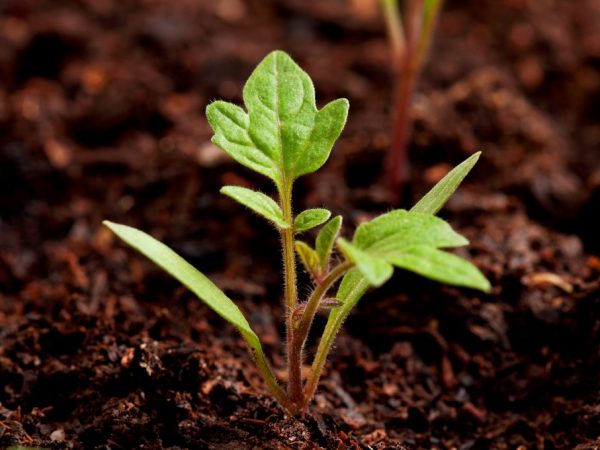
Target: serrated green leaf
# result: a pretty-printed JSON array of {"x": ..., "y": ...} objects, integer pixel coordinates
[
  {"x": 257, "y": 202},
  {"x": 440, "y": 266},
  {"x": 401, "y": 229},
  {"x": 325, "y": 240},
  {"x": 374, "y": 268},
  {"x": 406, "y": 240},
  {"x": 437, "y": 197},
  {"x": 329, "y": 123},
  {"x": 310, "y": 218},
  {"x": 308, "y": 257},
  {"x": 189, "y": 276},
  {"x": 283, "y": 135},
  {"x": 230, "y": 124}
]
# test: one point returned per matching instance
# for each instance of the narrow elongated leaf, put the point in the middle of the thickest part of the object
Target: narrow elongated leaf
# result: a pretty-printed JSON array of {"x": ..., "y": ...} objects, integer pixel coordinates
[
  {"x": 437, "y": 197},
  {"x": 440, "y": 266},
  {"x": 308, "y": 257},
  {"x": 326, "y": 238},
  {"x": 283, "y": 135},
  {"x": 375, "y": 269},
  {"x": 310, "y": 218},
  {"x": 401, "y": 229},
  {"x": 257, "y": 202},
  {"x": 188, "y": 275},
  {"x": 430, "y": 8},
  {"x": 206, "y": 291}
]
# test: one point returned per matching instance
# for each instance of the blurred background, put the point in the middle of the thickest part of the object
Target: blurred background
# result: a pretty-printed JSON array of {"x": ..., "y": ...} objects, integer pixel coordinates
[
  {"x": 102, "y": 117},
  {"x": 102, "y": 102}
]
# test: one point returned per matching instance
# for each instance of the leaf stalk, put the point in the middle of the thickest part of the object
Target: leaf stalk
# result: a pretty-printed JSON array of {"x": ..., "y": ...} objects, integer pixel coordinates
[{"x": 300, "y": 333}]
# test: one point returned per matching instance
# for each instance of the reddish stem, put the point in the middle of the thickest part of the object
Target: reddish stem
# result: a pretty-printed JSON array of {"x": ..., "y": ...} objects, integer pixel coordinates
[{"x": 397, "y": 165}]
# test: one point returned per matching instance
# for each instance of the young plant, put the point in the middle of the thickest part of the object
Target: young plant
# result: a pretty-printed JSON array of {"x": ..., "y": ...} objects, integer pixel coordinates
[
  {"x": 283, "y": 136},
  {"x": 410, "y": 33}
]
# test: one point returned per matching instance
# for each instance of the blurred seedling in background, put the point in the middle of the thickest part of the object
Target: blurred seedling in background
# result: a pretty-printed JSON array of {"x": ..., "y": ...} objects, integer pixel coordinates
[
  {"x": 282, "y": 135},
  {"x": 410, "y": 30}
]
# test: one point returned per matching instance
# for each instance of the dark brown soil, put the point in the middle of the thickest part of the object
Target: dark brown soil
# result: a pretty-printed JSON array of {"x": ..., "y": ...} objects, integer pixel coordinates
[{"x": 101, "y": 116}]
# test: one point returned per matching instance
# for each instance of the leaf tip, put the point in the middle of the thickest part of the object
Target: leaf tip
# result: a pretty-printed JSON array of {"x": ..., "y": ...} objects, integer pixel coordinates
[
  {"x": 485, "y": 285},
  {"x": 110, "y": 225}
]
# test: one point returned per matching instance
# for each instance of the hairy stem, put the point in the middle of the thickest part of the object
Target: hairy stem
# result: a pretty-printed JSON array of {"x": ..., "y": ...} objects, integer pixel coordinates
[
  {"x": 271, "y": 381},
  {"x": 289, "y": 258},
  {"x": 336, "y": 319},
  {"x": 300, "y": 332},
  {"x": 291, "y": 295}
]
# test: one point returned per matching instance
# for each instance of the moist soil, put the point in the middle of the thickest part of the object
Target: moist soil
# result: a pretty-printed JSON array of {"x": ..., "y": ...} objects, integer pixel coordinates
[{"x": 101, "y": 117}]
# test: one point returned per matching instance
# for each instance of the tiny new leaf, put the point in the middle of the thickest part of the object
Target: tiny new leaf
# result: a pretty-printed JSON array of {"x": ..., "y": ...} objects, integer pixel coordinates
[
  {"x": 257, "y": 202},
  {"x": 310, "y": 218},
  {"x": 308, "y": 257},
  {"x": 283, "y": 135},
  {"x": 326, "y": 239}
]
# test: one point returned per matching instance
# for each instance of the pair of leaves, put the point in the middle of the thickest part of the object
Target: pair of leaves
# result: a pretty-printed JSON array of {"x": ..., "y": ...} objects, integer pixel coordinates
[
  {"x": 270, "y": 210},
  {"x": 316, "y": 260},
  {"x": 413, "y": 240},
  {"x": 283, "y": 135}
]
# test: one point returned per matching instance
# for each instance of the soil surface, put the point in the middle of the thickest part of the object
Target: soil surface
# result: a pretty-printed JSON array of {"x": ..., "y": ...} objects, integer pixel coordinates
[{"x": 101, "y": 117}]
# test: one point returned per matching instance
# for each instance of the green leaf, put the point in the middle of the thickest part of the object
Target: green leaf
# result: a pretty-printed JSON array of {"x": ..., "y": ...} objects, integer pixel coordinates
[
  {"x": 325, "y": 240},
  {"x": 375, "y": 269},
  {"x": 283, "y": 135},
  {"x": 430, "y": 7},
  {"x": 352, "y": 283},
  {"x": 411, "y": 241},
  {"x": 230, "y": 124},
  {"x": 400, "y": 229},
  {"x": 329, "y": 123},
  {"x": 308, "y": 257},
  {"x": 310, "y": 218},
  {"x": 440, "y": 266},
  {"x": 257, "y": 202},
  {"x": 433, "y": 201},
  {"x": 189, "y": 276}
]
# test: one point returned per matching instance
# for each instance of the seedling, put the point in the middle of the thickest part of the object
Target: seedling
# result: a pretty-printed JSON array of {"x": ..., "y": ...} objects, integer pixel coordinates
[
  {"x": 283, "y": 136},
  {"x": 410, "y": 32}
]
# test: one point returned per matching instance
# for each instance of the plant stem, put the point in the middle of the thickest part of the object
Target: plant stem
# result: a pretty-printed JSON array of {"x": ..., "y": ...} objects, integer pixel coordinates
[
  {"x": 271, "y": 381},
  {"x": 290, "y": 293},
  {"x": 300, "y": 333},
  {"x": 289, "y": 258},
  {"x": 416, "y": 34},
  {"x": 393, "y": 22},
  {"x": 336, "y": 318},
  {"x": 397, "y": 166}
]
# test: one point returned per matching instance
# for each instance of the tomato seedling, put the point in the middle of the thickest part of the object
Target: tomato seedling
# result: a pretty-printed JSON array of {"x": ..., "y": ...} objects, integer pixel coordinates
[{"x": 283, "y": 135}]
